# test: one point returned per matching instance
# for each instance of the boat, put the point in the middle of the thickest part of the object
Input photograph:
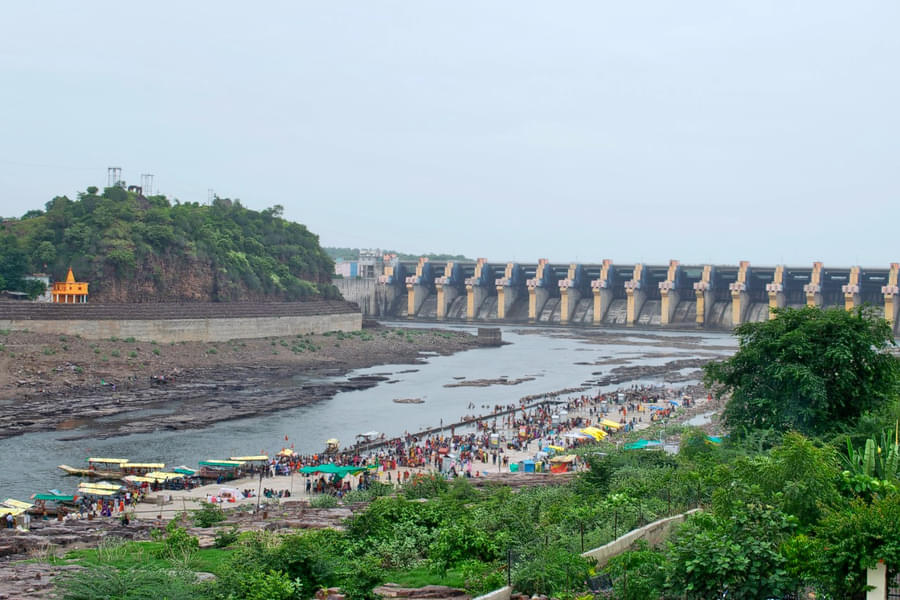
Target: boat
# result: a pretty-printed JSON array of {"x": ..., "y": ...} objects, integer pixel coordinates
[
  {"x": 131, "y": 468},
  {"x": 332, "y": 446},
  {"x": 99, "y": 467}
]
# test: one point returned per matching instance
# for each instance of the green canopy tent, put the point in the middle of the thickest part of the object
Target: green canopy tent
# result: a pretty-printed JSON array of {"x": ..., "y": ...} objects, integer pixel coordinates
[{"x": 334, "y": 469}]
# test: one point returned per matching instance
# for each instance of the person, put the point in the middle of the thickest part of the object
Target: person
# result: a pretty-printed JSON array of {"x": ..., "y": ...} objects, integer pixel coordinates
[
  {"x": 9, "y": 520},
  {"x": 26, "y": 521},
  {"x": 125, "y": 520}
]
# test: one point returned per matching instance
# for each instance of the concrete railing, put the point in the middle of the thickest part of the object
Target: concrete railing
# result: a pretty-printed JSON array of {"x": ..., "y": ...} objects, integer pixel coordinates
[
  {"x": 653, "y": 533},
  {"x": 503, "y": 593}
]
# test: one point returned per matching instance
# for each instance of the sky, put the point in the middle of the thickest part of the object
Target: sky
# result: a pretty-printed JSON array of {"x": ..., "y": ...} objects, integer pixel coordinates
[{"x": 703, "y": 131}]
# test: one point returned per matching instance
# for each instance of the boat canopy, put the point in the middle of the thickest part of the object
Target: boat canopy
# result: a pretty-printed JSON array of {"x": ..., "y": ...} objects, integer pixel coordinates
[
  {"x": 9, "y": 509},
  {"x": 184, "y": 470},
  {"x": 53, "y": 497},
  {"x": 138, "y": 479},
  {"x": 102, "y": 485},
  {"x": 109, "y": 461},
  {"x": 162, "y": 476},
  {"x": 131, "y": 465},
  {"x": 12, "y": 503},
  {"x": 220, "y": 463},
  {"x": 256, "y": 458},
  {"x": 96, "y": 492}
]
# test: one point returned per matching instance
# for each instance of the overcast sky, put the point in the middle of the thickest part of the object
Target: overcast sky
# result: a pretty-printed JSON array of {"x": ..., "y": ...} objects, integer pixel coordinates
[{"x": 704, "y": 131}]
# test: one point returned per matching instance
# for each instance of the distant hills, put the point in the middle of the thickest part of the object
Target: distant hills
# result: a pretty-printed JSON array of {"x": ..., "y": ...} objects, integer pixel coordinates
[
  {"x": 132, "y": 248},
  {"x": 353, "y": 254}
]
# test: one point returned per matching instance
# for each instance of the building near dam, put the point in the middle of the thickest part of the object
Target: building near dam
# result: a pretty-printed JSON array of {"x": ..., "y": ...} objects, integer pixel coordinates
[{"x": 717, "y": 297}]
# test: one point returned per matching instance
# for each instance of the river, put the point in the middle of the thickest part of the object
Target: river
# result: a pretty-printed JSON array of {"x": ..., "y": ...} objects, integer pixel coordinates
[{"x": 555, "y": 359}]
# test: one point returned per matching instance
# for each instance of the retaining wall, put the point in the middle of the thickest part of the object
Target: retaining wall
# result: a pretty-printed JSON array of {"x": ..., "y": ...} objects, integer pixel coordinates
[
  {"x": 653, "y": 534},
  {"x": 206, "y": 322}
]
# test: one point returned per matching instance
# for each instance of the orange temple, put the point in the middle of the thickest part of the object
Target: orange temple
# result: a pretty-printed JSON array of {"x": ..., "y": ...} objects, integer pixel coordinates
[{"x": 70, "y": 291}]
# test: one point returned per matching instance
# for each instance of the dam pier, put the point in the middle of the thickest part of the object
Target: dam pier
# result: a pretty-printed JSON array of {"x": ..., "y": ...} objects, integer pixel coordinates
[{"x": 715, "y": 297}]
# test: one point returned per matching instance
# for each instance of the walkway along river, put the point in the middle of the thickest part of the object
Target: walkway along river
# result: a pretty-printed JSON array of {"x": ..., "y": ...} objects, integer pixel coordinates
[{"x": 546, "y": 360}]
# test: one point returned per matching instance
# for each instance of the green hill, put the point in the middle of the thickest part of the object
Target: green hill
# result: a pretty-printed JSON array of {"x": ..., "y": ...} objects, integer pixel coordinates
[{"x": 132, "y": 248}]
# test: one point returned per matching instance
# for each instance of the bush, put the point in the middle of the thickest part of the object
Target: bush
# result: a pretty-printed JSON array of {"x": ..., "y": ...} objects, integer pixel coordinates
[
  {"x": 272, "y": 585},
  {"x": 226, "y": 537},
  {"x": 133, "y": 584},
  {"x": 177, "y": 544},
  {"x": 425, "y": 486},
  {"x": 208, "y": 515},
  {"x": 323, "y": 501}
]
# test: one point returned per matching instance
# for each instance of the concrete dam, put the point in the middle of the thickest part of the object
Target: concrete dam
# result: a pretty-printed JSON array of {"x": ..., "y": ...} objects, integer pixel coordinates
[{"x": 717, "y": 297}]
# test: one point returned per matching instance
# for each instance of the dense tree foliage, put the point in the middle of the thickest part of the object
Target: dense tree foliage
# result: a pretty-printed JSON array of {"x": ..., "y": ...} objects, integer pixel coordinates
[
  {"x": 810, "y": 370},
  {"x": 131, "y": 247}
]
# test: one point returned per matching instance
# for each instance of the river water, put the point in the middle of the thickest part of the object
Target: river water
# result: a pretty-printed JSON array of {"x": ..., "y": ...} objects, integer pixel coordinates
[{"x": 28, "y": 463}]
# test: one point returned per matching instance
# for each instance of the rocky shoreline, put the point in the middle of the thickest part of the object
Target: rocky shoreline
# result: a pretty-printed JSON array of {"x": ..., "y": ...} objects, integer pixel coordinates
[{"x": 189, "y": 386}]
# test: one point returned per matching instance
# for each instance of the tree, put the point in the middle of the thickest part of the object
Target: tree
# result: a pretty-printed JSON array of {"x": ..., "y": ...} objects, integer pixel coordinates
[
  {"x": 710, "y": 556},
  {"x": 855, "y": 538},
  {"x": 811, "y": 370}
]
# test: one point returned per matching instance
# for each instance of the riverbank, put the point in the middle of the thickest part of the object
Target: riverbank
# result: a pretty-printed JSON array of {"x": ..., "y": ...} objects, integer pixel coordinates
[{"x": 50, "y": 382}]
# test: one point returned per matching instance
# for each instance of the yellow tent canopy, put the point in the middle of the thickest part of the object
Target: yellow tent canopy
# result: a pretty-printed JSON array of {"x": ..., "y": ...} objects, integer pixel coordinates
[
  {"x": 568, "y": 458},
  {"x": 12, "y": 503},
  {"x": 611, "y": 424},
  {"x": 597, "y": 434}
]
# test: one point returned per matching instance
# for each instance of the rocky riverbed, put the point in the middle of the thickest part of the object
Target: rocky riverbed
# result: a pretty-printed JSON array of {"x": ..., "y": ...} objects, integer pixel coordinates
[{"x": 57, "y": 383}]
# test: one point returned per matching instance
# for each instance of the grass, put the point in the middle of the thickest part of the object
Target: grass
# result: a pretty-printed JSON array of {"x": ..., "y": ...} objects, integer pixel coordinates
[
  {"x": 141, "y": 555},
  {"x": 421, "y": 576}
]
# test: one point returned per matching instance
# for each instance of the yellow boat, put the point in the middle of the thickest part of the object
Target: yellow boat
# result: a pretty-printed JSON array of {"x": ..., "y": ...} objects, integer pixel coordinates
[{"x": 99, "y": 467}]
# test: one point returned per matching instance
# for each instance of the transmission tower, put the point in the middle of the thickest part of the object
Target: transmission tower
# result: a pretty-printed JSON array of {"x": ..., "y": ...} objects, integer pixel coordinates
[
  {"x": 113, "y": 176},
  {"x": 147, "y": 183},
  {"x": 210, "y": 196}
]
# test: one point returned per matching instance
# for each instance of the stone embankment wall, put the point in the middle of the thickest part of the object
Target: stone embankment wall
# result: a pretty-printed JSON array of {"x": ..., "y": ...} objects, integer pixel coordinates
[{"x": 182, "y": 322}]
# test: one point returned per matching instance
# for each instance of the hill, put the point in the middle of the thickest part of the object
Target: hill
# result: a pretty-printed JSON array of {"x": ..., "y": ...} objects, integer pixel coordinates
[
  {"x": 132, "y": 248},
  {"x": 353, "y": 254}
]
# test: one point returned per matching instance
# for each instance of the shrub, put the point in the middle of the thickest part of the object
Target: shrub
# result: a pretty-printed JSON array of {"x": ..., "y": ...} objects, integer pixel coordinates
[
  {"x": 226, "y": 537},
  {"x": 177, "y": 544},
  {"x": 323, "y": 501},
  {"x": 108, "y": 582},
  {"x": 208, "y": 515}
]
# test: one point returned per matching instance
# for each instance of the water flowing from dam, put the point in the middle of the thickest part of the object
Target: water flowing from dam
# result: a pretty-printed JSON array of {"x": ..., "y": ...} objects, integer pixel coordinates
[{"x": 548, "y": 359}]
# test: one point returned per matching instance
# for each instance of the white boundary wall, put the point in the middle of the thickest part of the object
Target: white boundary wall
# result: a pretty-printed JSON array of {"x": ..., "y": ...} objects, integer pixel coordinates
[{"x": 190, "y": 330}]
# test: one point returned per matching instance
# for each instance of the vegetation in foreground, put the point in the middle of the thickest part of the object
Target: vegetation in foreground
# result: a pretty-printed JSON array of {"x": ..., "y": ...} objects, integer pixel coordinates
[{"x": 788, "y": 505}]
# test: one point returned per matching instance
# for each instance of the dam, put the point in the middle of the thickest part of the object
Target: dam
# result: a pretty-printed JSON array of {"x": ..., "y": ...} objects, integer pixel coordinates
[{"x": 715, "y": 297}]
